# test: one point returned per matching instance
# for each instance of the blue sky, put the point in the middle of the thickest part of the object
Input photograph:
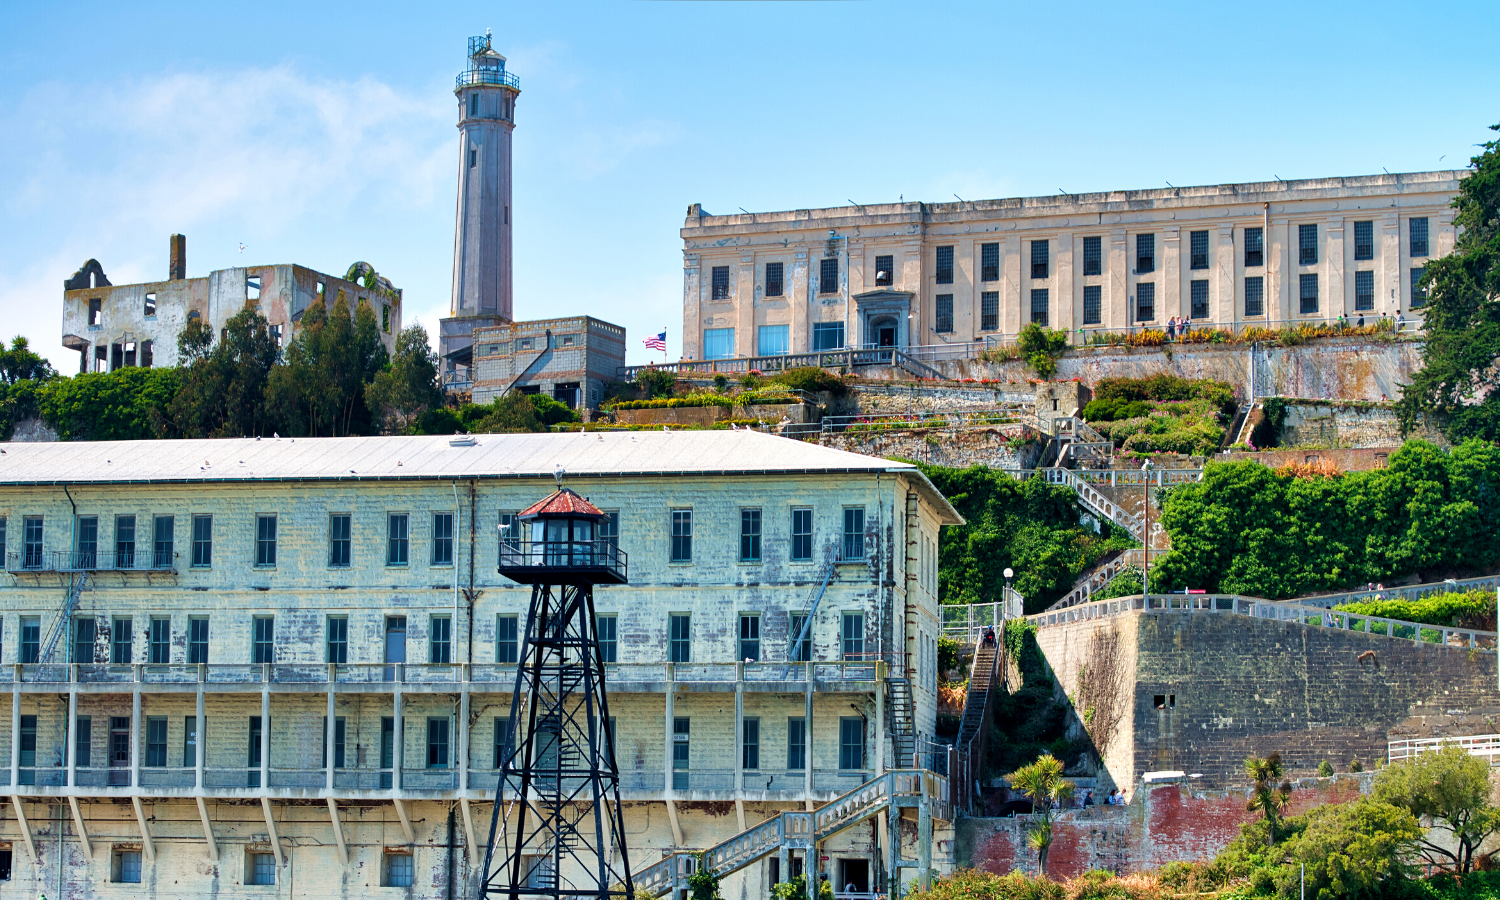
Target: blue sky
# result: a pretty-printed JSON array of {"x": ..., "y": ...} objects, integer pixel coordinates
[{"x": 322, "y": 133}]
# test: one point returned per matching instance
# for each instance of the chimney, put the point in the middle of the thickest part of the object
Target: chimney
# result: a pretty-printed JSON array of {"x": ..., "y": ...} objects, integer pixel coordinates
[{"x": 177, "y": 258}]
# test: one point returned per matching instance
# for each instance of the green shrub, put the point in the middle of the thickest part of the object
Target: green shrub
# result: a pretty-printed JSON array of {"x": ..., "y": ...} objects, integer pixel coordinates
[
  {"x": 1115, "y": 409},
  {"x": 656, "y": 382},
  {"x": 813, "y": 380},
  {"x": 1470, "y": 609},
  {"x": 1325, "y": 769}
]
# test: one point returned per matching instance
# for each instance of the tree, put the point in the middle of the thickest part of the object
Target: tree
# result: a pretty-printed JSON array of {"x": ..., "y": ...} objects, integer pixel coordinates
[
  {"x": 1041, "y": 347},
  {"x": 224, "y": 382},
  {"x": 407, "y": 387},
  {"x": 1350, "y": 851},
  {"x": 320, "y": 391},
  {"x": 19, "y": 363},
  {"x": 128, "y": 404},
  {"x": 1449, "y": 790},
  {"x": 1460, "y": 373},
  {"x": 1266, "y": 796},
  {"x": 1043, "y": 782}
]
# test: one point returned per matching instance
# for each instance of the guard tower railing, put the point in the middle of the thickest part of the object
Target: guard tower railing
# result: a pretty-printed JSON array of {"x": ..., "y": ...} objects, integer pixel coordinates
[{"x": 535, "y": 561}]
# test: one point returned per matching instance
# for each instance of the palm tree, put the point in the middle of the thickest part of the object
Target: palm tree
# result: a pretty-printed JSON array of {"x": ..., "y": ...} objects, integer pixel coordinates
[
  {"x": 1043, "y": 782},
  {"x": 1266, "y": 796}
]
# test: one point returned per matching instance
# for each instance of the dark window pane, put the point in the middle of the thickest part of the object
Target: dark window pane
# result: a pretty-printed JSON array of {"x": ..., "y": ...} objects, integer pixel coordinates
[
  {"x": 828, "y": 276},
  {"x": 1093, "y": 304},
  {"x": 1041, "y": 258},
  {"x": 1307, "y": 245},
  {"x": 1364, "y": 240},
  {"x": 989, "y": 262},
  {"x": 773, "y": 279},
  {"x": 944, "y": 323},
  {"x": 989, "y": 311},
  {"x": 1198, "y": 249},
  {"x": 1039, "y": 303},
  {"x": 721, "y": 282},
  {"x": 1093, "y": 255},
  {"x": 1145, "y": 302},
  {"x": 944, "y": 265},
  {"x": 1145, "y": 253},
  {"x": 1255, "y": 248},
  {"x": 885, "y": 271}
]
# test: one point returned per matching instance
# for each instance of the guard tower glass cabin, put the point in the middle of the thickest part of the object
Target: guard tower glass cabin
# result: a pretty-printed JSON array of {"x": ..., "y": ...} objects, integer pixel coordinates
[{"x": 560, "y": 544}]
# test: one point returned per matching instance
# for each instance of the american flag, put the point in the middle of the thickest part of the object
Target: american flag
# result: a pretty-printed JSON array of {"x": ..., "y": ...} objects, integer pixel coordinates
[{"x": 657, "y": 342}]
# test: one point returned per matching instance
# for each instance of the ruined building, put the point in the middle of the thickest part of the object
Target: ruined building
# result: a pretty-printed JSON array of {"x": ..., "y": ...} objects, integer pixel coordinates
[
  {"x": 112, "y": 326},
  {"x": 276, "y": 662},
  {"x": 568, "y": 359}
]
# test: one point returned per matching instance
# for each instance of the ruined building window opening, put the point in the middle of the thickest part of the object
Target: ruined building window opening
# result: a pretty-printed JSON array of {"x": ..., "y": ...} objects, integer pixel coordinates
[
  {"x": 203, "y": 541},
  {"x": 799, "y": 646},
  {"x": 750, "y": 535},
  {"x": 96, "y": 312},
  {"x": 340, "y": 732},
  {"x": 440, "y": 640},
  {"x": 1093, "y": 255},
  {"x": 989, "y": 311},
  {"x": 609, "y": 631},
  {"x": 796, "y": 743},
  {"x": 1040, "y": 301},
  {"x": 1041, "y": 259},
  {"x": 116, "y": 356},
  {"x": 129, "y": 353},
  {"x": 101, "y": 358},
  {"x": 197, "y": 639},
  {"x": 828, "y": 276},
  {"x": 120, "y": 641},
  {"x": 1364, "y": 241},
  {"x": 750, "y": 637},
  {"x": 263, "y": 640},
  {"x": 252, "y": 287},
  {"x": 507, "y": 639},
  {"x": 802, "y": 534},
  {"x": 681, "y": 746},
  {"x": 1364, "y": 291},
  {"x": 150, "y": 304},
  {"x": 84, "y": 633},
  {"x": 944, "y": 265},
  {"x": 1093, "y": 304},
  {"x": 340, "y": 543},
  {"x": 682, "y": 536},
  {"x": 265, "y": 541},
  {"x": 720, "y": 276},
  {"x": 750, "y": 744},
  {"x": 318, "y": 290},
  {"x": 774, "y": 279},
  {"x": 1255, "y": 295},
  {"x": 160, "y": 641},
  {"x": 338, "y": 639},
  {"x": 397, "y": 542},
  {"x": 1199, "y": 295},
  {"x": 1197, "y": 249},
  {"x": 1165, "y": 701},
  {"x": 148, "y": 354},
  {"x": 851, "y": 743},
  {"x": 1145, "y": 253},
  {"x": 885, "y": 271},
  {"x": 944, "y": 317},
  {"x": 989, "y": 262},
  {"x": 680, "y": 637}
]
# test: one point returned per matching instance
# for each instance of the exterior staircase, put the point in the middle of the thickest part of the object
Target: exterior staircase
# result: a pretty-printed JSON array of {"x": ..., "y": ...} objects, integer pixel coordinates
[
  {"x": 973, "y": 728},
  {"x": 1093, "y": 580},
  {"x": 60, "y": 628},
  {"x": 901, "y": 714}
]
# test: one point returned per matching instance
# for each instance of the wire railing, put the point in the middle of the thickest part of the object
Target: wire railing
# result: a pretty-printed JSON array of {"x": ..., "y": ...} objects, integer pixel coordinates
[{"x": 118, "y": 560}]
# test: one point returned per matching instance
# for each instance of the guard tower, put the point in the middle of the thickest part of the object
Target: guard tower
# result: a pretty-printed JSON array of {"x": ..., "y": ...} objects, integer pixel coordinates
[
  {"x": 558, "y": 829},
  {"x": 482, "y": 233}
]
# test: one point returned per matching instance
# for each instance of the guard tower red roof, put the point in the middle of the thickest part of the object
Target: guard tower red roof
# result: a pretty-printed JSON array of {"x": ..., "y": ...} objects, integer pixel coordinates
[{"x": 562, "y": 502}]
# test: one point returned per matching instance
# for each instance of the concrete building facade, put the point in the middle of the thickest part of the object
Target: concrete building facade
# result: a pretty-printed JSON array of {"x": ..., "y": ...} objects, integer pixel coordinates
[
  {"x": 179, "y": 621},
  {"x": 113, "y": 326},
  {"x": 917, "y": 274},
  {"x": 569, "y": 360}
]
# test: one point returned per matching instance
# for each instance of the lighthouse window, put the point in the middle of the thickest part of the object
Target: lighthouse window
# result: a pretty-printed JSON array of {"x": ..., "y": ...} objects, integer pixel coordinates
[
  {"x": 473, "y": 158},
  {"x": 473, "y": 104}
]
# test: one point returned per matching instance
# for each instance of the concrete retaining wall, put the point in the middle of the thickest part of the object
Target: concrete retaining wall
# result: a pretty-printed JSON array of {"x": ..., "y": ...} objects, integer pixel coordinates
[
  {"x": 997, "y": 446},
  {"x": 1348, "y": 425}
]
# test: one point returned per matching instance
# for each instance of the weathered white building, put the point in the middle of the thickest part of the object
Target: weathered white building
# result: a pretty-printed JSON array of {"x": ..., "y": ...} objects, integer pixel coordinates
[
  {"x": 902, "y": 275},
  {"x": 570, "y": 360},
  {"x": 180, "y": 620},
  {"x": 113, "y": 326}
]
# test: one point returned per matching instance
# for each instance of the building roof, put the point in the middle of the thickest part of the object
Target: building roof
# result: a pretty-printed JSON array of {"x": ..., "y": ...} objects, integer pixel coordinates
[
  {"x": 485, "y": 456},
  {"x": 562, "y": 502}
]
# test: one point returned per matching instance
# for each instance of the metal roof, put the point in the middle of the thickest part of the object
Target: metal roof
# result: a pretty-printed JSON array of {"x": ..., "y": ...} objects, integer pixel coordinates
[{"x": 489, "y": 456}]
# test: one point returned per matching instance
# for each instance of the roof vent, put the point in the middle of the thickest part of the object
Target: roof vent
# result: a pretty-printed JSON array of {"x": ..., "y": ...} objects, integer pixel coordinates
[{"x": 463, "y": 440}]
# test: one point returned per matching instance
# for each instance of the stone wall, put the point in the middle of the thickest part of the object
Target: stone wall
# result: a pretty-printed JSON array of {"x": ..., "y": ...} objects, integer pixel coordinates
[
  {"x": 703, "y": 416},
  {"x": 880, "y": 399},
  {"x": 1352, "y": 425},
  {"x": 996, "y": 446},
  {"x": 1345, "y": 460}
]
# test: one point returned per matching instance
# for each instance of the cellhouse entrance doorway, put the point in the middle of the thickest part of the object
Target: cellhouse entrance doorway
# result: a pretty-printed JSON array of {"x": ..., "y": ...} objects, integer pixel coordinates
[{"x": 853, "y": 876}]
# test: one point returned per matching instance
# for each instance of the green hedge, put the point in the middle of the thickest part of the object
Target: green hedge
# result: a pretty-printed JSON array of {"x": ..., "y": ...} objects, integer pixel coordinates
[{"x": 1470, "y": 609}]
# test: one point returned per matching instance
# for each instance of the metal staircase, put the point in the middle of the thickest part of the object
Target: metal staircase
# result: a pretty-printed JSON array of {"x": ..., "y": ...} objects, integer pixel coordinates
[
  {"x": 1091, "y": 581},
  {"x": 60, "y": 627},
  {"x": 901, "y": 714}
]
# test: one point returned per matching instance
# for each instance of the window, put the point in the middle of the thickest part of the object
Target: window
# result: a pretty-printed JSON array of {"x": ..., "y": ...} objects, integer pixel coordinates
[
  {"x": 339, "y": 733},
  {"x": 262, "y": 868},
  {"x": 510, "y": 530},
  {"x": 507, "y": 639},
  {"x": 125, "y": 542},
  {"x": 944, "y": 314},
  {"x": 853, "y": 634},
  {"x": 126, "y": 867},
  {"x": 440, "y": 640},
  {"x": 161, "y": 640},
  {"x": 189, "y": 742},
  {"x": 83, "y": 749},
  {"x": 750, "y": 744},
  {"x": 828, "y": 336},
  {"x": 802, "y": 534},
  {"x": 31, "y": 542},
  {"x": 27, "y": 749},
  {"x": 854, "y": 533},
  {"x": 83, "y": 639},
  {"x": 680, "y": 637},
  {"x": 1364, "y": 291},
  {"x": 1198, "y": 249},
  {"x": 156, "y": 741},
  {"x": 473, "y": 157},
  {"x": 338, "y": 540},
  {"x": 1199, "y": 296},
  {"x": 1041, "y": 258},
  {"x": 197, "y": 639},
  {"x": 681, "y": 735},
  {"x": 1307, "y": 291},
  {"x": 87, "y": 550},
  {"x": 31, "y": 638},
  {"x": 1307, "y": 245},
  {"x": 796, "y": 742},
  {"x": 799, "y": 644},
  {"x": 828, "y": 276},
  {"x": 609, "y": 636},
  {"x": 718, "y": 343},
  {"x": 750, "y": 637},
  {"x": 397, "y": 542},
  {"x": 944, "y": 265},
  {"x": 501, "y": 740},
  {"x": 2, "y": 541},
  {"x": 1093, "y": 304},
  {"x": 1039, "y": 303},
  {"x": 682, "y": 535},
  {"x": 1417, "y": 231},
  {"x": 989, "y": 262},
  {"x": 203, "y": 541},
  {"x": 120, "y": 640},
  {"x": 148, "y": 354},
  {"x": 338, "y": 639},
  {"x": 851, "y": 743},
  {"x": 252, "y": 755},
  {"x": 474, "y": 104},
  {"x": 96, "y": 312},
  {"x": 720, "y": 281},
  {"x": 252, "y": 287},
  {"x": 774, "y": 279},
  {"x": 885, "y": 271},
  {"x": 437, "y": 742},
  {"x": 1364, "y": 240},
  {"x": 1418, "y": 293},
  {"x": 442, "y": 539},
  {"x": 1255, "y": 247},
  {"x": 989, "y": 311},
  {"x": 398, "y": 868},
  {"x": 1145, "y": 302},
  {"x": 263, "y": 640},
  {"x": 388, "y": 747},
  {"x": 1255, "y": 295},
  {"x": 265, "y": 540},
  {"x": 162, "y": 529},
  {"x": 750, "y": 535},
  {"x": 1145, "y": 253},
  {"x": 1093, "y": 256}
]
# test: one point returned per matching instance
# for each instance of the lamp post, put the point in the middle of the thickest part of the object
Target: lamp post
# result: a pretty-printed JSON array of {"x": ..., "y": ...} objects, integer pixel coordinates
[{"x": 1146, "y": 533}]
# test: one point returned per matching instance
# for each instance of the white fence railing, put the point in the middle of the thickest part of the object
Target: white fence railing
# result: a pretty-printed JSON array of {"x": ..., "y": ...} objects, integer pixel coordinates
[{"x": 1484, "y": 746}]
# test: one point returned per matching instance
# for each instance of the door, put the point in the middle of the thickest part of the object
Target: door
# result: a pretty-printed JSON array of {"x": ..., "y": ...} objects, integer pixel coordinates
[
  {"x": 119, "y": 751},
  {"x": 854, "y": 876},
  {"x": 886, "y": 336},
  {"x": 395, "y": 644}
]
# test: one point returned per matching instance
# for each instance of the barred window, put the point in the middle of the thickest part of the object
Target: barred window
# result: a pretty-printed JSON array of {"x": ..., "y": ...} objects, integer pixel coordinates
[
  {"x": 1145, "y": 253},
  {"x": 1145, "y": 302},
  {"x": 945, "y": 265},
  {"x": 1364, "y": 240},
  {"x": 989, "y": 262},
  {"x": 944, "y": 313},
  {"x": 721, "y": 283},
  {"x": 1198, "y": 250},
  {"x": 989, "y": 311},
  {"x": 1041, "y": 258},
  {"x": 1199, "y": 299},
  {"x": 1093, "y": 314},
  {"x": 1307, "y": 291},
  {"x": 1417, "y": 230},
  {"x": 1255, "y": 248},
  {"x": 828, "y": 276},
  {"x": 885, "y": 271},
  {"x": 1364, "y": 291},
  {"x": 1418, "y": 293},
  {"x": 1255, "y": 295},
  {"x": 1307, "y": 245},
  {"x": 1039, "y": 306},
  {"x": 1093, "y": 255},
  {"x": 773, "y": 279}
]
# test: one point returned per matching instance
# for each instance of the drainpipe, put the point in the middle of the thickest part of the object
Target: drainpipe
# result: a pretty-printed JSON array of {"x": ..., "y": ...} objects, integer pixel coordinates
[
  {"x": 450, "y": 853},
  {"x": 473, "y": 520},
  {"x": 457, "y": 528}
]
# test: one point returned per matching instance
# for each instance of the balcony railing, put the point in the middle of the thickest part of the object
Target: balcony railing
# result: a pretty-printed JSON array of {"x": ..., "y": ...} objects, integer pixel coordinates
[
  {"x": 32, "y": 560},
  {"x": 537, "y": 562},
  {"x": 498, "y": 77}
]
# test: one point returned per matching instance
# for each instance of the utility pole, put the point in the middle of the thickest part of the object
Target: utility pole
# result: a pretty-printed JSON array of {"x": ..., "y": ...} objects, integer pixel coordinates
[{"x": 1146, "y": 531}]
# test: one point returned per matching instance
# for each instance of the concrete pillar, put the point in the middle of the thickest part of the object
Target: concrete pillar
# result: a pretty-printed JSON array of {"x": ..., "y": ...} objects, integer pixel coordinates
[
  {"x": 463, "y": 732},
  {"x": 331, "y": 732},
  {"x": 744, "y": 307},
  {"x": 71, "y": 726},
  {"x": 1172, "y": 301},
  {"x": 924, "y": 846},
  {"x": 893, "y": 851},
  {"x": 1390, "y": 292},
  {"x": 398, "y": 738},
  {"x": 880, "y": 736},
  {"x": 1117, "y": 312},
  {"x": 807, "y": 731},
  {"x": 668, "y": 730},
  {"x": 1333, "y": 267},
  {"x": 135, "y": 731},
  {"x": 1223, "y": 309},
  {"x": 199, "y": 742},
  {"x": 15, "y": 728},
  {"x": 265, "y": 736},
  {"x": 739, "y": 730}
]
